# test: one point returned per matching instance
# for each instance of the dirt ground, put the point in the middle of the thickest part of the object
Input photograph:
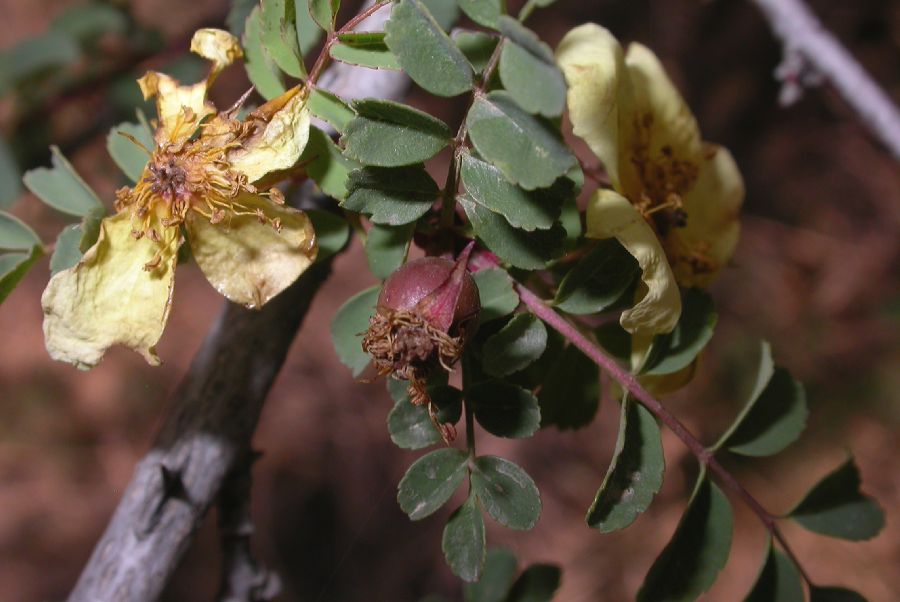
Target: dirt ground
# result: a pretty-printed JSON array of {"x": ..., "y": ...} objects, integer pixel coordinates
[{"x": 816, "y": 273}]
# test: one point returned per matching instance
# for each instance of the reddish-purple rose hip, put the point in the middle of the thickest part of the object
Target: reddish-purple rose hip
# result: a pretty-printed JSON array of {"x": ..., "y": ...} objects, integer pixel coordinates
[{"x": 425, "y": 312}]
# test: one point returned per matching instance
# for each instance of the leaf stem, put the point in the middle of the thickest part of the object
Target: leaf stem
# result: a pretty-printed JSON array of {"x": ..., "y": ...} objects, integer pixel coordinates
[
  {"x": 630, "y": 382},
  {"x": 448, "y": 203},
  {"x": 325, "y": 55}
]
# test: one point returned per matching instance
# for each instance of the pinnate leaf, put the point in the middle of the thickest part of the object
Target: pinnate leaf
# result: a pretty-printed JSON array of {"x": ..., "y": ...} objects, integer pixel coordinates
[
  {"x": 499, "y": 573},
  {"x": 528, "y": 210},
  {"x": 391, "y": 196},
  {"x": 773, "y": 418},
  {"x": 391, "y": 134},
  {"x": 698, "y": 550},
  {"x": 430, "y": 482},
  {"x": 386, "y": 247},
  {"x": 425, "y": 51},
  {"x": 635, "y": 474},
  {"x": 836, "y": 507},
  {"x": 677, "y": 349},
  {"x": 527, "y": 250},
  {"x": 778, "y": 580},
  {"x": 498, "y": 297},
  {"x": 130, "y": 157},
  {"x": 537, "y": 583},
  {"x": 463, "y": 541},
  {"x": 598, "y": 280},
  {"x": 504, "y": 409},
  {"x": 506, "y": 492},
  {"x": 527, "y": 149},
  {"x": 350, "y": 321},
  {"x": 518, "y": 344},
  {"x": 61, "y": 187}
]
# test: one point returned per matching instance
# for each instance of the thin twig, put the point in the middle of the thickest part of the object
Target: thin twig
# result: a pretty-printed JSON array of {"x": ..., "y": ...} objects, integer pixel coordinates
[
  {"x": 809, "y": 47},
  {"x": 630, "y": 382}
]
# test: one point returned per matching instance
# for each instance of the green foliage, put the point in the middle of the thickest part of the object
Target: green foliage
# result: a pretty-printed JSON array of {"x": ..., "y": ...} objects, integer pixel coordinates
[
  {"x": 678, "y": 349},
  {"x": 332, "y": 232},
  {"x": 518, "y": 344},
  {"x": 331, "y": 108},
  {"x": 498, "y": 298},
  {"x": 635, "y": 474},
  {"x": 75, "y": 240},
  {"x": 527, "y": 149},
  {"x": 430, "y": 482},
  {"x": 528, "y": 70},
  {"x": 504, "y": 409},
  {"x": 260, "y": 67},
  {"x": 477, "y": 46},
  {"x": 570, "y": 390},
  {"x": 326, "y": 165},
  {"x": 523, "y": 209},
  {"x": 463, "y": 541},
  {"x": 699, "y": 549},
  {"x": 598, "y": 280},
  {"x": 387, "y": 246},
  {"x": 20, "y": 247},
  {"x": 350, "y": 321},
  {"x": 390, "y": 134},
  {"x": 121, "y": 145},
  {"x": 506, "y": 492},
  {"x": 278, "y": 34},
  {"x": 499, "y": 573},
  {"x": 778, "y": 580},
  {"x": 324, "y": 12},
  {"x": 61, "y": 187},
  {"x": 483, "y": 12},
  {"x": 527, "y": 250},
  {"x": 409, "y": 425},
  {"x": 392, "y": 196},
  {"x": 365, "y": 49},
  {"x": 425, "y": 51},
  {"x": 773, "y": 418},
  {"x": 836, "y": 507}
]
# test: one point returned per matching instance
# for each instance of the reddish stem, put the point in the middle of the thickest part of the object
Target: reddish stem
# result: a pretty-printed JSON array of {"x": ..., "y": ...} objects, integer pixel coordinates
[
  {"x": 630, "y": 382},
  {"x": 332, "y": 37}
]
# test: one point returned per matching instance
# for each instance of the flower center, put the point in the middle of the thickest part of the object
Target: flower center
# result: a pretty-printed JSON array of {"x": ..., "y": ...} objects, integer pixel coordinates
[{"x": 664, "y": 179}]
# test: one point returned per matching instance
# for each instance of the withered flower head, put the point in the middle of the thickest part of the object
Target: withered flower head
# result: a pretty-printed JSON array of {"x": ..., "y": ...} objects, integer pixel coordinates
[
  {"x": 426, "y": 311},
  {"x": 206, "y": 177}
]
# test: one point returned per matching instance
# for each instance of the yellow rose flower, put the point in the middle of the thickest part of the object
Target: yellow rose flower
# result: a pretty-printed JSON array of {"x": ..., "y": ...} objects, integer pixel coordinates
[
  {"x": 205, "y": 177},
  {"x": 676, "y": 199}
]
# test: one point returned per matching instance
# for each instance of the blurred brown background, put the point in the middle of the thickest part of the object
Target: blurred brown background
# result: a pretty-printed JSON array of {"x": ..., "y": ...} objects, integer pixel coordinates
[{"x": 816, "y": 273}]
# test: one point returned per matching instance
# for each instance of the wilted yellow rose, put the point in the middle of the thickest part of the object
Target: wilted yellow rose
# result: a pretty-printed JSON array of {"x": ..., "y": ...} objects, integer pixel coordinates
[
  {"x": 204, "y": 178},
  {"x": 676, "y": 198}
]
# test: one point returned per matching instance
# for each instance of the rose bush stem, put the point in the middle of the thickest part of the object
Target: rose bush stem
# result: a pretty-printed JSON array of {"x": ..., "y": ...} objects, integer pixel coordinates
[{"x": 634, "y": 388}]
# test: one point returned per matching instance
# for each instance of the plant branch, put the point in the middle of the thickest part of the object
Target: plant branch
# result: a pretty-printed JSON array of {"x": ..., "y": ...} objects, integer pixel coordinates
[
  {"x": 325, "y": 56},
  {"x": 630, "y": 382},
  {"x": 810, "y": 49},
  {"x": 207, "y": 432},
  {"x": 243, "y": 579}
]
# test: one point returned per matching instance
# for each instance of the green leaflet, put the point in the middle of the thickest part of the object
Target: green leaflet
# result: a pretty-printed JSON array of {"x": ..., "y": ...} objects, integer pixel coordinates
[
  {"x": 425, "y": 52},
  {"x": 527, "y": 149},
  {"x": 350, "y": 321},
  {"x": 430, "y": 482},
  {"x": 635, "y": 474},
  {"x": 698, "y": 550}
]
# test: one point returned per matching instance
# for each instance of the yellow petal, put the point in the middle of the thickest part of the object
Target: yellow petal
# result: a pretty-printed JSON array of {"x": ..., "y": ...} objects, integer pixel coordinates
[
  {"x": 281, "y": 130},
  {"x": 109, "y": 299},
  {"x": 599, "y": 96},
  {"x": 705, "y": 245},
  {"x": 661, "y": 108},
  {"x": 180, "y": 109},
  {"x": 250, "y": 262},
  {"x": 217, "y": 46},
  {"x": 658, "y": 305}
]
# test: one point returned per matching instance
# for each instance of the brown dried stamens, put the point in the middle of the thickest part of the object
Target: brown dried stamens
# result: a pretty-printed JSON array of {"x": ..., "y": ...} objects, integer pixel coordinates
[{"x": 404, "y": 344}]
